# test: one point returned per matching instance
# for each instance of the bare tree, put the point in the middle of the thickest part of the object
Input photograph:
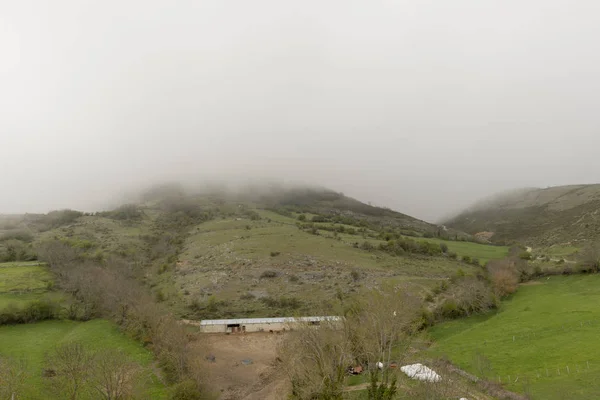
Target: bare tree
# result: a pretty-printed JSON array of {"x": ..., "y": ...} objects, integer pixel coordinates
[
  {"x": 114, "y": 376},
  {"x": 13, "y": 378},
  {"x": 316, "y": 361},
  {"x": 71, "y": 364},
  {"x": 590, "y": 257},
  {"x": 381, "y": 327},
  {"x": 376, "y": 329}
]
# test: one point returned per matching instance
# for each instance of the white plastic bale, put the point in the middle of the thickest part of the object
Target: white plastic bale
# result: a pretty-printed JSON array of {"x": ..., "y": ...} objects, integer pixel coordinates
[{"x": 421, "y": 372}]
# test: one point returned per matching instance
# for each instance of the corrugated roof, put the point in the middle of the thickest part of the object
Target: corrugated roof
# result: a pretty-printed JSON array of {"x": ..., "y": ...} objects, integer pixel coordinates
[{"x": 266, "y": 320}]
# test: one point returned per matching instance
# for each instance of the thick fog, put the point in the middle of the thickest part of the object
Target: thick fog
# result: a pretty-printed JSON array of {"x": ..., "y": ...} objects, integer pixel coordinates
[{"x": 422, "y": 106}]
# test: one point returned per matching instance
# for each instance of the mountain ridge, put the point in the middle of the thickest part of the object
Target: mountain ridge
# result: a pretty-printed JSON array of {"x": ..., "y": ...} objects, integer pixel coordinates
[{"x": 548, "y": 216}]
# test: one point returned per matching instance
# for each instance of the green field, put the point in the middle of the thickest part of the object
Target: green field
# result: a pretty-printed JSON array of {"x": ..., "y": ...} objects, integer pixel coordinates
[
  {"x": 22, "y": 282},
  {"x": 544, "y": 339},
  {"x": 484, "y": 252},
  {"x": 32, "y": 341}
]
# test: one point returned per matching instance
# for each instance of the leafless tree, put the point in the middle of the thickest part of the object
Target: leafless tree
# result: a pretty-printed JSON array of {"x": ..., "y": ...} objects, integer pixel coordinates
[
  {"x": 71, "y": 364},
  {"x": 114, "y": 376},
  {"x": 13, "y": 378},
  {"x": 590, "y": 257},
  {"x": 376, "y": 329},
  {"x": 381, "y": 327},
  {"x": 316, "y": 361}
]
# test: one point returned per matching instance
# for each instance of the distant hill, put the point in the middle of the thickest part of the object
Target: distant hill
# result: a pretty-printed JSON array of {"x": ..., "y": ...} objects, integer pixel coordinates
[
  {"x": 541, "y": 217},
  {"x": 268, "y": 251}
]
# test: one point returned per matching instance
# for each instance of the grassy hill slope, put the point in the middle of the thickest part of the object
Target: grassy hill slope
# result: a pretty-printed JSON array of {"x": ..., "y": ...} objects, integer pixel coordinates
[
  {"x": 260, "y": 253},
  {"x": 539, "y": 217}
]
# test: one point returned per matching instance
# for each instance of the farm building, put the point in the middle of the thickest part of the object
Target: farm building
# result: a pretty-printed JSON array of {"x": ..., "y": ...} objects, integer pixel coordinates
[{"x": 261, "y": 324}]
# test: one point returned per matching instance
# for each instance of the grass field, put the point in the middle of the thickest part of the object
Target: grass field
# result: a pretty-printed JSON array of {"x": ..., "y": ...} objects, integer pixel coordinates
[
  {"x": 33, "y": 341},
  {"x": 22, "y": 282},
  {"x": 483, "y": 252},
  {"x": 544, "y": 339}
]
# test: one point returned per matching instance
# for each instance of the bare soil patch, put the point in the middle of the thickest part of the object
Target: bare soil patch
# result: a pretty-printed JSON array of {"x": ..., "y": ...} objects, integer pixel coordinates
[{"x": 245, "y": 366}]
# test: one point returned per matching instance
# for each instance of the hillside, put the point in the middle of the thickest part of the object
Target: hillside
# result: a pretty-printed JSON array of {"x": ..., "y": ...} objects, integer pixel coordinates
[
  {"x": 539, "y": 217},
  {"x": 255, "y": 252}
]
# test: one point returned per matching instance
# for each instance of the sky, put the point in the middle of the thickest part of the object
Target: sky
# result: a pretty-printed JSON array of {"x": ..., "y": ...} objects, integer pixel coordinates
[{"x": 421, "y": 106}]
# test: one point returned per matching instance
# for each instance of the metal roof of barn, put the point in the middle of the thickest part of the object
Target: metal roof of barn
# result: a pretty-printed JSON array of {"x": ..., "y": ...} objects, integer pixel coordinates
[{"x": 266, "y": 320}]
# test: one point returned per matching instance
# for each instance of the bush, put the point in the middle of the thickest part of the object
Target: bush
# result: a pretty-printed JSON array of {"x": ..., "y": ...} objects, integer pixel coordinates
[
  {"x": 282, "y": 302},
  {"x": 127, "y": 212},
  {"x": 452, "y": 255},
  {"x": 466, "y": 259},
  {"x": 319, "y": 218},
  {"x": 355, "y": 275},
  {"x": 367, "y": 246},
  {"x": 269, "y": 274},
  {"x": 302, "y": 217},
  {"x": 449, "y": 309},
  {"x": 475, "y": 261},
  {"x": 275, "y": 253},
  {"x": 504, "y": 276},
  {"x": 20, "y": 235},
  {"x": 187, "y": 390},
  {"x": 294, "y": 278},
  {"x": 525, "y": 255},
  {"x": 37, "y": 310},
  {"x": 444, "y": 247}
]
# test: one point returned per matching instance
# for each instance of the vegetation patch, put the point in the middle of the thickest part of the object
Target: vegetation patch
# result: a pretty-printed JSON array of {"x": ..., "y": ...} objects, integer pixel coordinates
[{"x": 35, "y": 342}]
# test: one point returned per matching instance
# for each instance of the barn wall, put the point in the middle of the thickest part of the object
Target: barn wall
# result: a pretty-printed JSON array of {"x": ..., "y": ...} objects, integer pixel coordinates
[
  {"x": 249, "y": 327},
  {"x": 257, "y": 327}
]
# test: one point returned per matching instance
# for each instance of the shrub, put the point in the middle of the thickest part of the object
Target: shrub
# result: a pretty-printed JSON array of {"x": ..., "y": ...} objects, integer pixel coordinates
[
  {"x": 525, "y": 255},
  {"x": 294, "y": 278},
  {"x": 367, "y": 246},
  {"x": 355, "y": 275},
  {"x": 428, "y": 235},
  {"x": 282, "y": 302},
  {"x": 444, "y": 247},
  {"x": 449, "y": 309},
  {"x": 187, "y": 390},
  {"x": 466, "y": 259},
  {"x": 275, "y": 253},
  {"x": 269, "y": 274},
  {"x": 475, "y": 261},
  {"x": 302, "y": 217},
  {"x": 37, "y": 310},
  {"x": 319, "y": 218},
  {"x": 452, "y": 255},
  {"x": 128, "y": 212},
  {"x": 247, "y": 296},
  {"x": 505, "y": 281},
  {"x": 20, "y": 235}
]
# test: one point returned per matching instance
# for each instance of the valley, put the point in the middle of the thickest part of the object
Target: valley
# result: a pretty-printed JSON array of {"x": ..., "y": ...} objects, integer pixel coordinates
[{"x": 125, "y": 279}]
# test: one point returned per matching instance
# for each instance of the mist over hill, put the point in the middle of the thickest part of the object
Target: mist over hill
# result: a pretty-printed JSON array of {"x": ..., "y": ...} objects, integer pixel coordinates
[{"x": 554, "y": 215}]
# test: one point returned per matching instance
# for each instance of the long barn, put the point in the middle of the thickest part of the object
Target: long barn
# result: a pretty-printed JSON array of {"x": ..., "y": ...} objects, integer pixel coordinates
[{"x": 262, "y": 324}]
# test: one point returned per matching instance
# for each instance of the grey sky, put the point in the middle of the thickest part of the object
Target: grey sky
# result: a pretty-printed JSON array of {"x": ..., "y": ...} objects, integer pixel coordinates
[{"x": 422, "y": 106}]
